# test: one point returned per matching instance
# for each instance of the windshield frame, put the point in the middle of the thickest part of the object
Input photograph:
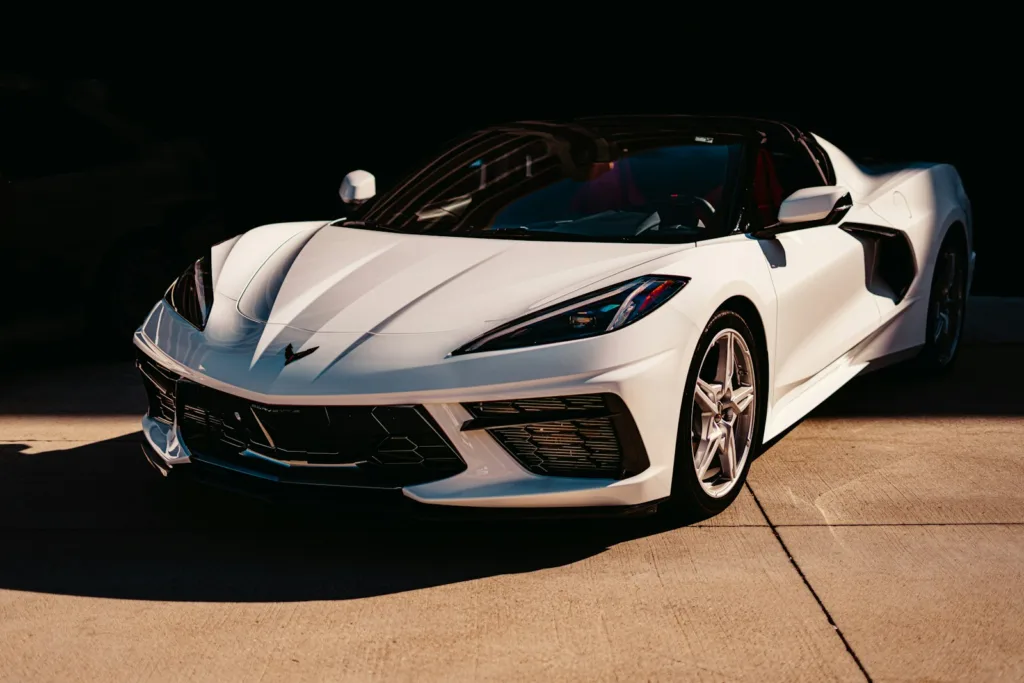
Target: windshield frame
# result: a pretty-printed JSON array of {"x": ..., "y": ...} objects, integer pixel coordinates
[{"x": 368, "y": 216}]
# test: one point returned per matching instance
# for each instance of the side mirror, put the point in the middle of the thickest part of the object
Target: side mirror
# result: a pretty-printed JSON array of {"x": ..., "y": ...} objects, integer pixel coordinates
[
  {"x": 811, "y": 204},
  {"x": 810, "y": 207},
  {"x": 357, "y": 187}
]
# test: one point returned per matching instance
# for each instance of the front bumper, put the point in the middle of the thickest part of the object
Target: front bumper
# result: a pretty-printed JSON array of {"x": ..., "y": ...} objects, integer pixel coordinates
[
  {"x": 646, "y": 379},
  {"x": 381, "y": 504}
]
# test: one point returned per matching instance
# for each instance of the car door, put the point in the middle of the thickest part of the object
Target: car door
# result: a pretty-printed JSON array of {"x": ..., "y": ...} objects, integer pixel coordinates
[{"x": 819, "y": 274}]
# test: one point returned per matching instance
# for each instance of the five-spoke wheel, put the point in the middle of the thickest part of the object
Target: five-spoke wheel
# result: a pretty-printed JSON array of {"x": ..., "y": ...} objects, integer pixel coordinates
[
  {"x": 722, "y": 414},
  {"x": 720, "y": 425}
]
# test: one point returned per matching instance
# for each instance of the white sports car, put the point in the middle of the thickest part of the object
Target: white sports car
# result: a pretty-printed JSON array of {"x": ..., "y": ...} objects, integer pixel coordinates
[{"x": 611, "y": 313}]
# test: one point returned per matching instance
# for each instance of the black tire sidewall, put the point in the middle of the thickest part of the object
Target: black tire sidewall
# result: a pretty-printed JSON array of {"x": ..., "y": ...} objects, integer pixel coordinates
[
  {"x": 929, "y": 360},
  {"x": 687, "y": 493}
]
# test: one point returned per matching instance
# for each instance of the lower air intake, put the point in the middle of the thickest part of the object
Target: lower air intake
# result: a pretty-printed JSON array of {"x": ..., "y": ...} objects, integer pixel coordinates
[
  {"x": 359, "y": 446},
  {"x": 160, "y": 385},
  {"x": 589, "y": 435}
]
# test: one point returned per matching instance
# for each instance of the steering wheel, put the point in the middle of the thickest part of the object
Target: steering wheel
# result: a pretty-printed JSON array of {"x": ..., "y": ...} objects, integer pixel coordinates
[{"x": 682, "y": 212}]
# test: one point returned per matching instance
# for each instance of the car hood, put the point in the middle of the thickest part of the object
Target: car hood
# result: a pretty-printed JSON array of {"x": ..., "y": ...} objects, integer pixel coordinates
[{"x": 324, "y": 278}]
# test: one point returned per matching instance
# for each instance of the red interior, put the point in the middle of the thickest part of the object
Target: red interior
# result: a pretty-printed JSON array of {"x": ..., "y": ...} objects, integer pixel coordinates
[
  {"x": 767, "y": 190},
  {"x": 714, "y": 197},
  {"x": 611, "y": 187}
]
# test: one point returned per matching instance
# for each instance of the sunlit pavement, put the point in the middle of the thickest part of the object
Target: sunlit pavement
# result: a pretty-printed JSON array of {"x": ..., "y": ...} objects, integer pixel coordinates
[{"x": 881, "y": 539}]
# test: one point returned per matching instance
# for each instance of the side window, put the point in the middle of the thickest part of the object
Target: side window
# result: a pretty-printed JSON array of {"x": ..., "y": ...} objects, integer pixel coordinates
[
  {"x": 821, "y": 158},
  {"x": 780, "y": 170},
  {"x": 795, "y": 167}
]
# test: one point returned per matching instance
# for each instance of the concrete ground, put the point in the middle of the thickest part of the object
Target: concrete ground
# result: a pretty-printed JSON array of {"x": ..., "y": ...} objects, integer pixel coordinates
[{"x": 881, "y": 539}]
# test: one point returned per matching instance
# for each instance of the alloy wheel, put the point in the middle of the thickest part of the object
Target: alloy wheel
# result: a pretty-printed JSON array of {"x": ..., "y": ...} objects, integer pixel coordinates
[{"x": 723, "y": 413}]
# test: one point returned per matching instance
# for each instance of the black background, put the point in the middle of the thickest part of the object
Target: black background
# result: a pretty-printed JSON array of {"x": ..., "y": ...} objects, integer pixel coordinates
[{"x": 282, "y": 134}]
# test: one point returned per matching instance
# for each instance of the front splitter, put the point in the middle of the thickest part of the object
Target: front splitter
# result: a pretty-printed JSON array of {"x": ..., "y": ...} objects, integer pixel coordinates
[{"x": 345, "y": 501}]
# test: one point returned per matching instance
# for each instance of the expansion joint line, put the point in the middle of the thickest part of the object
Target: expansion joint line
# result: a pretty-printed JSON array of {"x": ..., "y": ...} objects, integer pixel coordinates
[{"x": 814, "y": 593}]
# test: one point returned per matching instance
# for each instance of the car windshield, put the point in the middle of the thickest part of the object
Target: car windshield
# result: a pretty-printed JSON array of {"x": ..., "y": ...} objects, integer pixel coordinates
[{"x": 532, "y": 185}]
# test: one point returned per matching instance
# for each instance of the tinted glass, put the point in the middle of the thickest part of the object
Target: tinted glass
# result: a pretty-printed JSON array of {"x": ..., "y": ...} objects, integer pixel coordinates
[
  {"x": 796, "y": 168},
  {"x": 781, "y": 169},
  {"x": 501, "y": 184}
]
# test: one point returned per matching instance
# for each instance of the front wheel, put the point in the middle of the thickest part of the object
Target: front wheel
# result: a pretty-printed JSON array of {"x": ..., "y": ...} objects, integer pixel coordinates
[{"x": 721, "y": 421}]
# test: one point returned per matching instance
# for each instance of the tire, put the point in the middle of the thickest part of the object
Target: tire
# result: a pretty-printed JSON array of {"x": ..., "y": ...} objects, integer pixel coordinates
[
  {"x": 699, "y": 497},
  {"x": 947, "y": 300}
]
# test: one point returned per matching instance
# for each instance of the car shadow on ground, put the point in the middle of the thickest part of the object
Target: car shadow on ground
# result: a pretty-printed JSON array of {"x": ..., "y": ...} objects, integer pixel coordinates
[
  {"x": 96, "y": 520},
  {"x": 984, "y": 381},
  {"x": 981, "y": 383}
]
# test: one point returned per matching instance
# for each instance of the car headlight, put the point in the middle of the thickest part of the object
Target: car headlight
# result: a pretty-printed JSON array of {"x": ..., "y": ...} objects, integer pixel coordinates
[
  {"x": 597, "y": 312},
  {"x": 191, "y": 295}
]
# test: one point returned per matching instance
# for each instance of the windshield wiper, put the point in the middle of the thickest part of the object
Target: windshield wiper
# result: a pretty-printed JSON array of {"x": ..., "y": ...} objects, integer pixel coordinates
[
  {"x": 371, "y": 225},
  {"x": 514, "y": 233}
]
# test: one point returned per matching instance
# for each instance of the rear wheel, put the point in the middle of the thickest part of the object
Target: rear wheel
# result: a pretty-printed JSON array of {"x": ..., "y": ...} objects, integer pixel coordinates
[
  {"x": 947, "y": 307},
  {"x": 721, "y": 423}
]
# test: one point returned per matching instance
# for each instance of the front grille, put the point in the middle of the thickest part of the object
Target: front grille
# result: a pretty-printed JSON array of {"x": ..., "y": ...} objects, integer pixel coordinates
[
  {"x": 160, "y": 385},
  {"x": 543, "y": 435},
  {"x": 366, "y": 446}
]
